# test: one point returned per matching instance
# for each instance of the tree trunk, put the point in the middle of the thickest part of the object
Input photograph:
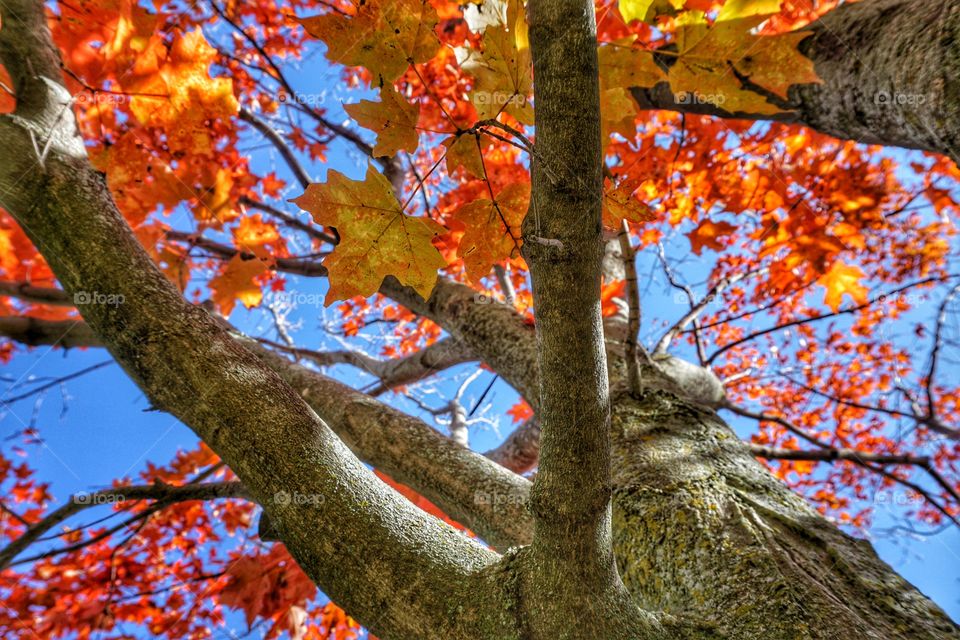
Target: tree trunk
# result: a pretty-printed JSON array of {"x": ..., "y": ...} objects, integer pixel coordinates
[{"x": 701, "y": 529}]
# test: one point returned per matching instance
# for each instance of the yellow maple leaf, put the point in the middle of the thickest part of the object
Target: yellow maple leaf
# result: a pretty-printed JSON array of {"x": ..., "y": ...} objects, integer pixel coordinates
[
  {"x": 646, "y": 10},
  {"x": 376, "y": 238},
  {"x": 236, "y": 282},
  {"x": 502, "y": 73},
  {"x": 713, "y": 61},
  {"x": 733, "y": 9},
  {"x": 464, "y": 151},
  {"x": 385, "y": 36},
  {"x": 393, "y": 118},
  {"x": 618, "y": 113},
  {"x": 492, "y": 229},
  {"x": 623, "y": 65},
  {"x": 843, "y": 279}
]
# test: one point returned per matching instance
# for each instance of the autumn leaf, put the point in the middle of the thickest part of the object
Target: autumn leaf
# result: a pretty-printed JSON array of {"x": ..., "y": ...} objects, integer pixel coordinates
[
  {"x": 236, "y": 282},
  {"x": 492, "y": 229},
  {"x": 646, "y": 10},
  {"x": 503, "y": 74},
  {"x": 618, "y": 113},
  {"x": 708, "y": 235},
  {"x": 181, "y": 98},
  {"x": 393, "y": 118},
  {"x": 464, "y": 151},
  {"x": 384, "y": 36},
  {"x": 733, "y": 9},
  {"x": 712, "y": 59},
  {"x": 377, "y": 238},
  {"x": 840, "y": 280},
  {"x": 623, "y": 65},
  {"x": 619, "y": 204}
]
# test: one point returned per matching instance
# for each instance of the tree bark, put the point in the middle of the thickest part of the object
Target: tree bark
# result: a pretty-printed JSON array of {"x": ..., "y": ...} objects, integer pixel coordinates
[{"x": 702, "y": 530}]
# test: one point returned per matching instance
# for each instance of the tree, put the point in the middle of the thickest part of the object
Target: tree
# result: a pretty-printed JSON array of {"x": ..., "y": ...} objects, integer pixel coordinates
[{"x": 646, "y": 512}]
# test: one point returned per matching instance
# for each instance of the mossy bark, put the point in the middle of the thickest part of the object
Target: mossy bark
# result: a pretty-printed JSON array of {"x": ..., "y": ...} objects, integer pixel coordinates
[{"x": 702, "y": 530}]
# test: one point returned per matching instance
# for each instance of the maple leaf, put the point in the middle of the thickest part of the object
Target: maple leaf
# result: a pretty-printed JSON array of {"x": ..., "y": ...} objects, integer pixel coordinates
[
  {"x": 708, "y": 235},
  {"x": 502, "y": 71},
  {"x": 393, "y": 118},
  {"x": 618, "y": 113},
  {"x": 377, "y": 238},
  {"x": 464, "y": 151},
  {"x": 646, "y": 10},
  {"x": 236, "y": 282},
  {"x": 520, "y": 412},
  {"x": 623, "y": 65},
  {"x": 619, "y": 204},
  {"x": 384, "y": 36},
  {"x": 733, "y": 9},
  {"x": 712, "y": 59},
  {"x": 492, "y": 229},
  {"x": 181, "y": 98},
  {"x": 840, "y": 280}
]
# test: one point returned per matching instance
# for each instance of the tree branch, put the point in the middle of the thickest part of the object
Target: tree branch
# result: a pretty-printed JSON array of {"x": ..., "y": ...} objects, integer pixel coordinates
[
  {"x": 395, "y": 372},
  {"x": 35, "y": 295},
  {"x": 468, "y": 487},
  {"x": 285, "y": 151},
  {"x": 571, "y": 558},
  {"x": 520, "y": 452},
  {"x": 34, "y": 332}
]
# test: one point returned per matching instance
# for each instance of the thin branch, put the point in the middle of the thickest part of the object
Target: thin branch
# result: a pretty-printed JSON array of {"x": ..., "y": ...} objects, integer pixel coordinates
[
  {"x": 299, "y": 266},
  {"x": 54, "y": 383},
  {"x": 395, "y": 372},
  {"x": 288, "y": 219},
  {"x": 935, "y": 352},
  {"x": 162, "y": 493},
  {"x": 667, "y": 339},
  {"x": 36, "y": 295},
  {"x": 628, "y": 257},
  {"x": 824, "y": 316},
  {"x": 285, "y": 151},
  {"x": 860, "y": 461},
  {"x": 831, "y": 454}
]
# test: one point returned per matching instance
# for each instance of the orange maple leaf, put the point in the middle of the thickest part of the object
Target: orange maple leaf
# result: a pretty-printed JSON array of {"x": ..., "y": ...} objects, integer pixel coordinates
[
  {"x": 840, "y": 280},
  {"x": 708, "y": 235}
]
